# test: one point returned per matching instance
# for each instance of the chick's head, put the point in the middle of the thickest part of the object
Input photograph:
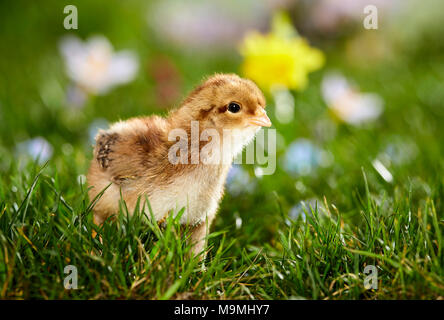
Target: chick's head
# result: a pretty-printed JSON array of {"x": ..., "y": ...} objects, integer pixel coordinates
[{"x": 226, "y": 101}]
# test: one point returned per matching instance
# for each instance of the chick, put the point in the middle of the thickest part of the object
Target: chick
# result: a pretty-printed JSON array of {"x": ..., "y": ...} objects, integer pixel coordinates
[{"x": 133, "y": 157}]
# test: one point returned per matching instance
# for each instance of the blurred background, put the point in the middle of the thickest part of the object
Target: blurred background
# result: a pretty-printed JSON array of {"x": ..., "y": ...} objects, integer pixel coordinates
[{"x": 343, "y": 99}]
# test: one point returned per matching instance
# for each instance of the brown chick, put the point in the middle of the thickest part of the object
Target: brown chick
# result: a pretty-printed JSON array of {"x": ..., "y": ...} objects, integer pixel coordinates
[{"x": 140, "y": 158}]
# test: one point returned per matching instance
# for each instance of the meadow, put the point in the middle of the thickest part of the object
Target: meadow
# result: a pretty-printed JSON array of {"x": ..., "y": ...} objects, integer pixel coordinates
[{"x": 346, "y": 193}]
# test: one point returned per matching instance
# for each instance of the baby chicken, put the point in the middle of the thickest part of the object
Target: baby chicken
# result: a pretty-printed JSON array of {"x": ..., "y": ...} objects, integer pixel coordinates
[{"x": 133, "y": 158}]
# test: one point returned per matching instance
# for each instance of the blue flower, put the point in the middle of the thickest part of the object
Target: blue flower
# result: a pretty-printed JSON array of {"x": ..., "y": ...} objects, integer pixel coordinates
[
  {"x": 239, "y": 181},
  {"x": 37, "y": 148},
  {"x": 302, "y": 157}
]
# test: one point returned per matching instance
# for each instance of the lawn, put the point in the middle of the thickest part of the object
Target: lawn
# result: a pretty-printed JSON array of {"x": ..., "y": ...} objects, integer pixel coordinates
[{"x": 344, "y": 195}]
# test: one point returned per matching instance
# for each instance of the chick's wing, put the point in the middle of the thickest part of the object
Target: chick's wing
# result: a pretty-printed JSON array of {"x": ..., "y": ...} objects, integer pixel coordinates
[{"x": 129, "y": 149}]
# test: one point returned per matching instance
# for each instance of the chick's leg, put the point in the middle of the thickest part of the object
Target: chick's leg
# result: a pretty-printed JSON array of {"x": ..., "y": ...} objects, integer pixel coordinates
[
  {"x": 98, "y": 220},
  {"x": 198, "y": 237}
]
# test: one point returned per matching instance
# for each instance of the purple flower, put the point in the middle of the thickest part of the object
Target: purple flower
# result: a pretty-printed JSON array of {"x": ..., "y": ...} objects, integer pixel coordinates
[{"x": 37, "y": 148}]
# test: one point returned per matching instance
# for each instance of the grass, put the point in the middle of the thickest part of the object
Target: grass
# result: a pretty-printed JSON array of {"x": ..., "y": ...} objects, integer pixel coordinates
[
  {"x": 322, "y": 257},
  {"x": 265, "y": 244}
]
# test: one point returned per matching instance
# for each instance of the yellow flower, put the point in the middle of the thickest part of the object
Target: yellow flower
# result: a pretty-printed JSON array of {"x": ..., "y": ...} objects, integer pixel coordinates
[{"x": 279, "y": 58}]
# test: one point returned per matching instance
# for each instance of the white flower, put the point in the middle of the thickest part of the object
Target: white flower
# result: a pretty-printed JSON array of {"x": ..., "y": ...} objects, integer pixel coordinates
[
  {"x": 94, "y": 66},
  {"x": 37, "y": 148},
  {"x": 348, "y": 104}
]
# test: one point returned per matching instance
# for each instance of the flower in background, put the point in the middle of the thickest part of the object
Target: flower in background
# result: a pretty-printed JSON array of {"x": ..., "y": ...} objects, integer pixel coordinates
[
  {"x": 93, "y": 65},
  {"x": 279, "y": 58},
  {"x": 208, "y": 25},
  {"x": 39, "y": 149},
  {"x": 348, "y": 104},
  {"x": 303, "y": 157},
  {"x": 328, "y": 15},
  {"x": 239, "y": 181}
]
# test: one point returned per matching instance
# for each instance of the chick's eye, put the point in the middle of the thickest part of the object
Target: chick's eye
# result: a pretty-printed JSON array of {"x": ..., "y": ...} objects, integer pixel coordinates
[{"x": 233, "y": 107}]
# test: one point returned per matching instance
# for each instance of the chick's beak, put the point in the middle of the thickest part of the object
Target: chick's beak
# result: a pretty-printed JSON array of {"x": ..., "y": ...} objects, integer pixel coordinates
[{"x": 261, "y": 120}]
